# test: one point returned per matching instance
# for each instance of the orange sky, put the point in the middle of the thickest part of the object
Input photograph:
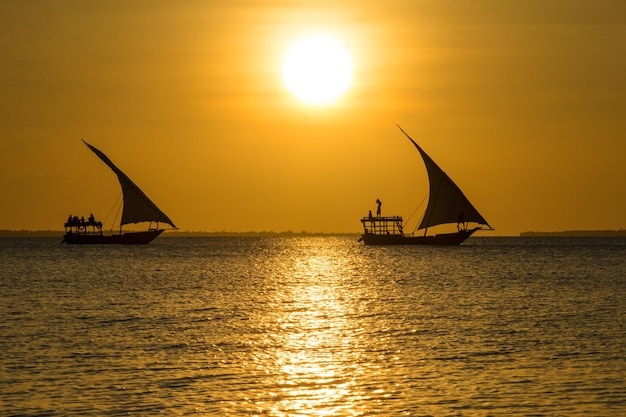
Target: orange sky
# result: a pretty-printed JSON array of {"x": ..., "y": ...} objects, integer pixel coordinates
[{"x": 521, "y": 103}]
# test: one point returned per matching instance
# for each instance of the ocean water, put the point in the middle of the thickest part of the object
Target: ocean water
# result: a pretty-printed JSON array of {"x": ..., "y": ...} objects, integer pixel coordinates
[{"x": 313, "y": 326}]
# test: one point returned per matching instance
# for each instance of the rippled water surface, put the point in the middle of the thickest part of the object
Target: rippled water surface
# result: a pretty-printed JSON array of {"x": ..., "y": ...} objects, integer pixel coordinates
[{"x": 313, "y": 326}]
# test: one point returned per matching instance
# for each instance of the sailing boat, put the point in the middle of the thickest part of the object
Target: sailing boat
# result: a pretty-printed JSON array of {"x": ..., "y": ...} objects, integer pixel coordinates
[
  {"x": 446, "y": 204},
  {"x": 137, "y": 208}
]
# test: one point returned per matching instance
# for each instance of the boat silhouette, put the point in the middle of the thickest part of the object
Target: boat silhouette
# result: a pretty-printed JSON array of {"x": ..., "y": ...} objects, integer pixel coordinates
[
  {"x": 138, "y": 208},
  {"x": 446, "y": 204}
]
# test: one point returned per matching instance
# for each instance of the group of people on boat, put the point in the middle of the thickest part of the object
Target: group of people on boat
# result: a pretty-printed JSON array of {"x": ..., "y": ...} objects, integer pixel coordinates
[{"x": 81, "y": 223}]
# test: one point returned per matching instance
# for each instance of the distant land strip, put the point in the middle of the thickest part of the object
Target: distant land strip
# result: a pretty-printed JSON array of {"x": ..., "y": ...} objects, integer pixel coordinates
[
  {"x": 262, "y": 233},
  {"x": 578, "y": 233},
  {"x": 31, "y": 233},
  {"x": 175, "y": 233}
]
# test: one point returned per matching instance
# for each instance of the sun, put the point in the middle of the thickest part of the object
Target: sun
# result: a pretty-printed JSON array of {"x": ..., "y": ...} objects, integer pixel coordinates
[{"x": 317, "y": 69}]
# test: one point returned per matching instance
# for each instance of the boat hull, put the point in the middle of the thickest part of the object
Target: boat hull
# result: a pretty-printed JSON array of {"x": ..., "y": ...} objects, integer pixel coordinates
[
  {"x": 444, "y": 239},
  {"x": 129, "y": 238}
]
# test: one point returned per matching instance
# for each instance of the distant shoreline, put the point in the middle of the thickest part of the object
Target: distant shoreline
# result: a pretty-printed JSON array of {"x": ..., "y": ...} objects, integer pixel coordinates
[
  {"x": 173, "y": 233},
  {"x": 31, "y": 233},
  {"x": 577, "y": 233}
]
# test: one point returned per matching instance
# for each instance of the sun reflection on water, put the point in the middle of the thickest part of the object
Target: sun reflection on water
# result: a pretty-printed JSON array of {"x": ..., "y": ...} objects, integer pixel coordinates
[
  {"x": 317, "y": 341},
  {"x": 313, "y": 326}
]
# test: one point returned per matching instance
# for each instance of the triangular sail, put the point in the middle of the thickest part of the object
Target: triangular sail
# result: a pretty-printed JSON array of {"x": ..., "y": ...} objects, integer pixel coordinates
[
  {"x": 446, "y": 201},
  {"x": 137, "y": 206}
]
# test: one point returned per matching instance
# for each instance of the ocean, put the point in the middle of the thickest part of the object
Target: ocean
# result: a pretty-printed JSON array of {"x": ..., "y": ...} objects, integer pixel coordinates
[{"x": 313, "y": 326}]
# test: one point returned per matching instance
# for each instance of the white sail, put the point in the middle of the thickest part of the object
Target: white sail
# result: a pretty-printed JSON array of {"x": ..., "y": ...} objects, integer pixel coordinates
[
  {"x": 137, "y": 206},
  {"x": 446, "y": 201}
]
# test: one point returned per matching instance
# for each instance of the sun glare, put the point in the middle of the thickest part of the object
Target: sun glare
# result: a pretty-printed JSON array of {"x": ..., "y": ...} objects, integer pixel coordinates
[{"x": 317, "y": 70}]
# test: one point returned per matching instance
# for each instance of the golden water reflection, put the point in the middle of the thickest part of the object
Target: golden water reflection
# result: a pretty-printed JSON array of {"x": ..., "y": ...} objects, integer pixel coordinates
[{"x": 315, "y": 361}]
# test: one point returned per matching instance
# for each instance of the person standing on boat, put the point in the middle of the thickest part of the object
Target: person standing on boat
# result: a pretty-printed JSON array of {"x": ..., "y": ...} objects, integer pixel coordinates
[
  {"x": 380, "y": 203},
  {"x": 460, "y": 222}
]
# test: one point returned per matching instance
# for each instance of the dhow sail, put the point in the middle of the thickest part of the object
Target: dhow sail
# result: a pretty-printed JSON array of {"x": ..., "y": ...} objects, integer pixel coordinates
[
  {"x": 137, "y": 206},
  {"x": 446, "y": 201}
]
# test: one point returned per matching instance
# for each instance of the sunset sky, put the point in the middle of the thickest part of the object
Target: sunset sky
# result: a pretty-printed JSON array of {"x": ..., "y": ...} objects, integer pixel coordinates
[{"x": 522, "y": 103}]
